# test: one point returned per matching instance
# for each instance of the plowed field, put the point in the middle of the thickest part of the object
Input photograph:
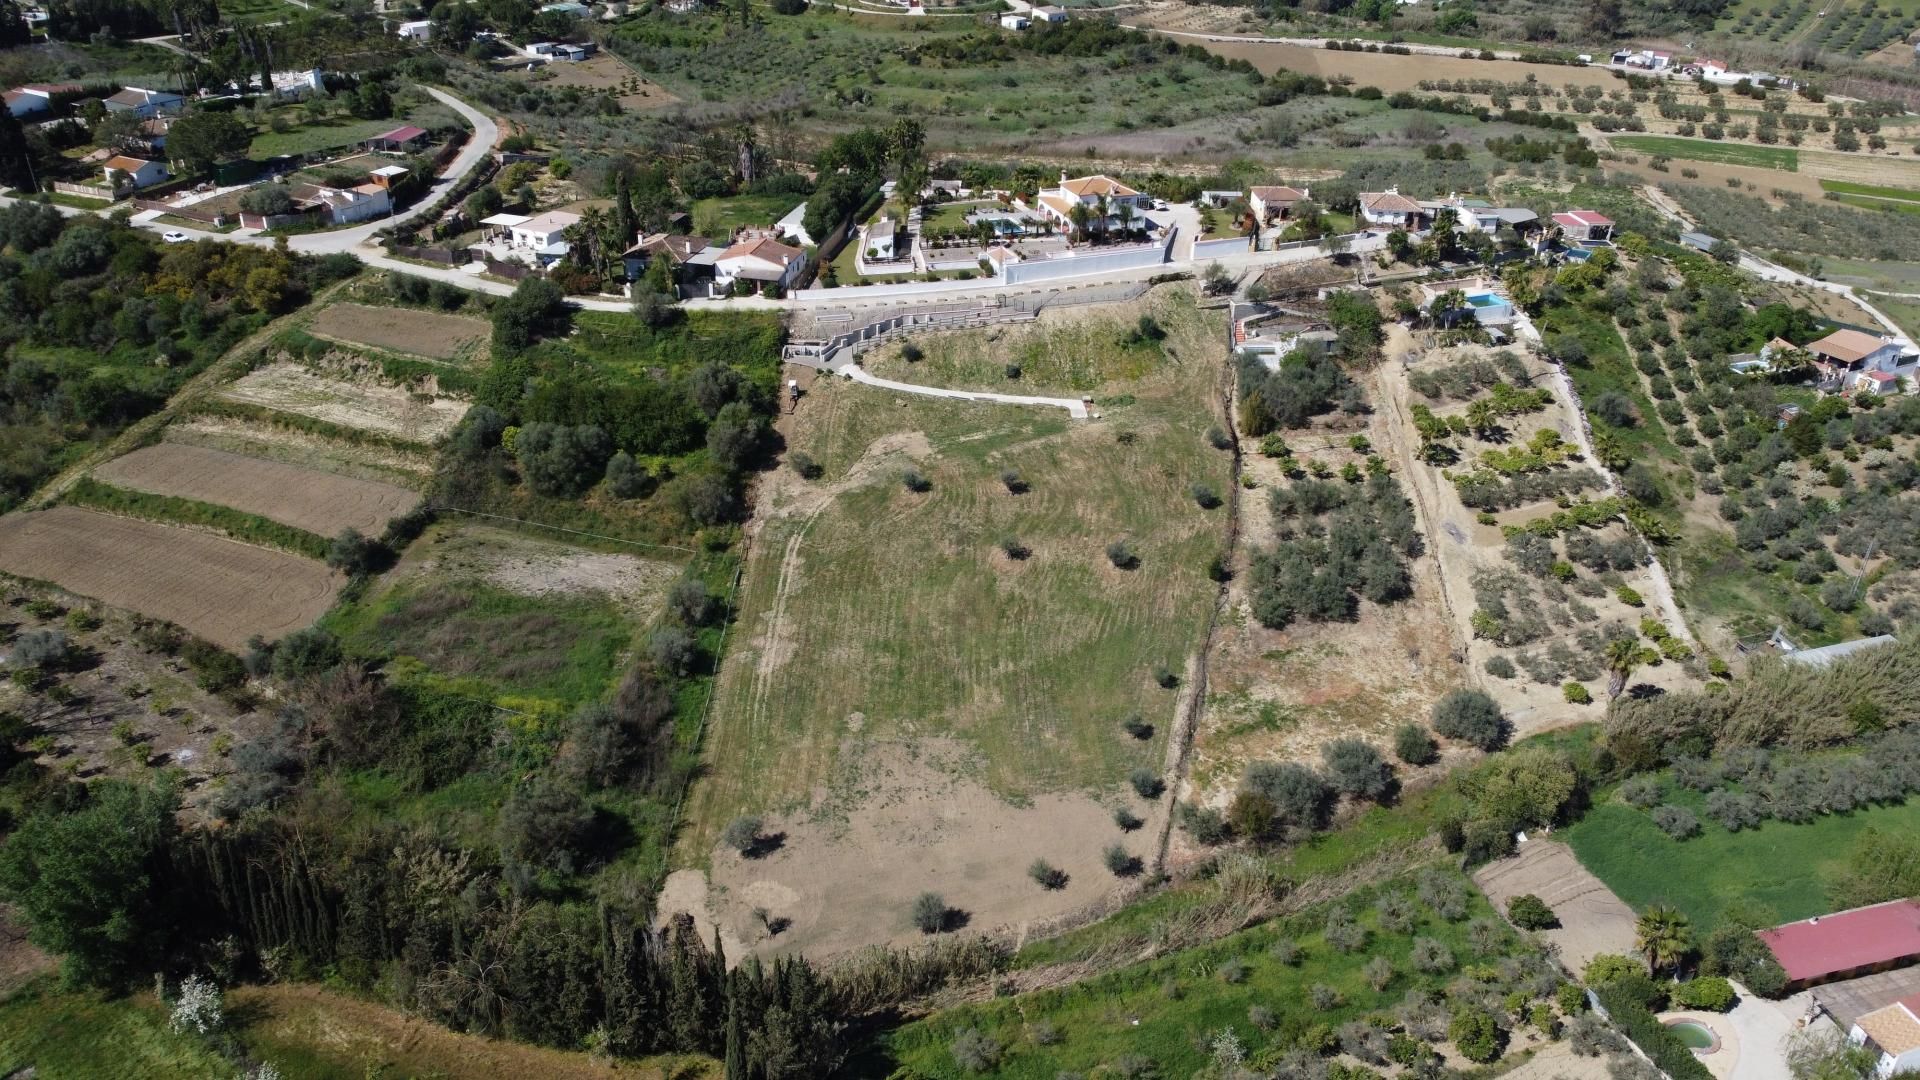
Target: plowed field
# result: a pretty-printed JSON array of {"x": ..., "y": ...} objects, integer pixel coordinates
[
  {"x": 309, "y": 499},
  {"x": 219, "y": 589}
]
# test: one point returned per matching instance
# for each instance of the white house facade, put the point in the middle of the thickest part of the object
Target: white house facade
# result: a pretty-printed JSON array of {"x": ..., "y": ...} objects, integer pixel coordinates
[
  {"x": 763, "y": 262},
  {"x": 1389, "y": 208},
  {"x": 1057, "y": 203},
  {"x": 1893, "y": 1034}
]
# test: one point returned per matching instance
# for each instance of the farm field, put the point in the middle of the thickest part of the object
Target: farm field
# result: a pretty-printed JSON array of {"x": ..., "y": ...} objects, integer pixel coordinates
[
  {"x": 304, "y": 498},
  {"x": 219, "y": 589},
  {"x": 598, "y": 73},
  {"x": 1390, "y": 72},
  {"x": 1766, "y": 157},
  {"x": 1709, "y": 875},
  {"x": 404, "y": 330},
  {"x": 1871, "y": 190},
  {"x": 1153, "y": 1011},
  {"x": 901, "y": 689},
  {"x": 366, "y": 405},
  {"x": 514, "y": 615}
]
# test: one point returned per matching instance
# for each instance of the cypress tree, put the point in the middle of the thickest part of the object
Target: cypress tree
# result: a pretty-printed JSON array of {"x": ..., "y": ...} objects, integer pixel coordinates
[{"x": 736, "y": 1046}]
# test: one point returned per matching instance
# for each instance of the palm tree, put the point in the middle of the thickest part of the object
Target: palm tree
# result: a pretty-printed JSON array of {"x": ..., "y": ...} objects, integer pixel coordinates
[
  {"x": 1482, "y": 418},
  {"x": 1100, "y": 209},
  {"x": 1080, "y": 216},
  {"x": 1124, "y": 212},
  {"x": 1623, "y": 655},
  {"x": 1664, "y": 937}
]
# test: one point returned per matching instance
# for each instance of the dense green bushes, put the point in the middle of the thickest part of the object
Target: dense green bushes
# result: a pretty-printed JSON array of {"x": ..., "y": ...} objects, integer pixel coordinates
[
  {"x": 1655, "y": 1039},
  {"x": 1338, "y": 542},
  {"x": 100, "y": 323}
]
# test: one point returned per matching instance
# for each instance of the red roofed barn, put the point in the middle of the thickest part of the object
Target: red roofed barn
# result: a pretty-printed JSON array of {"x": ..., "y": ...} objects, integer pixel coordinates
[{"x": 1846, "y": 944}]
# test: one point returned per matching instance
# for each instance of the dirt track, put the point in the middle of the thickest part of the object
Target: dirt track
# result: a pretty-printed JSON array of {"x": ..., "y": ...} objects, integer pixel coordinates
[
  {"x": 318, "y": 502},
  {"x": 219, "y": 589}
]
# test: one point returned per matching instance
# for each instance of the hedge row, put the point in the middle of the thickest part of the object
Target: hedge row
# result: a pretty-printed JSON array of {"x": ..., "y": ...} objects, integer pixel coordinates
[
  {"x": 251, "y": 528},
  {"x": 1653, "y": 1037}
]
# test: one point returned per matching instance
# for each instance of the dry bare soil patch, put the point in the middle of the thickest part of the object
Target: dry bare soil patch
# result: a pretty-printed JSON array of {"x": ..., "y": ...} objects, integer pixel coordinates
[
  {"x": 901, "y": 692},
  {"x": 367, "y": 405},
  {"x": 1391, "y": 72},
  {"x": 398, "y": 466},
  {"x": 219, "y": 589},
  {"x": 318, "y": 502},
  {"x": 598, "y": 74},
  {"x": 431, "y": 334}
]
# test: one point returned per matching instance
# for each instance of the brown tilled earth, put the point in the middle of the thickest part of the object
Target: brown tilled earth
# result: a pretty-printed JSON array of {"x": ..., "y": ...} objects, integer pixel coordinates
[
  {"x": 218, "y": 589},
  {"x": 407, "y": 330},
  {"x": 318, "y": 502}
]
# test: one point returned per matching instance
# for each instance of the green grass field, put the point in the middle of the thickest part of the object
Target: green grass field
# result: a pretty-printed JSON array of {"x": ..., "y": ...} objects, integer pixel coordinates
[
  {"x": 87, "y": 1035},
  {"x": 1879, "y": 205},
  {"x": 1780, "y": 867},
  {"x": 1764, "y": 157},
  {"x": 1064, "y": 359},
  {"x": 1873, "y": 190},
  {"x": 1167, "y": 1010},
  {"x": 717, "y": 218},
  {"x": 901, "y": 607},
  {"x": 338, "y": 131}
]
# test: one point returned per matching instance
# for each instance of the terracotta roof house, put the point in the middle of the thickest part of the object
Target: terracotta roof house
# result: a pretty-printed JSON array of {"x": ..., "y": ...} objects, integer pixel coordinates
[
  {"x": 1846, "y": 944},
  {"x": 1894, "y": 1033},
  {"x": 764, "y": 262},
  {"x": 1584, "y": 226},
  {"x": 1389, "y": 207},
  {"x": 341, "y": 206},
  {"x": 1057, "y": 202},
  {"x": 1855, "y": 360},
  {"x": 138, "y": 172},
  {"x": 1274, "y": 202}
]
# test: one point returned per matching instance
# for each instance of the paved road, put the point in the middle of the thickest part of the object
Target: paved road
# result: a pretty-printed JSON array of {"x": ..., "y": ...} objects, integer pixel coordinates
[{"x": 1767, "y": 271}]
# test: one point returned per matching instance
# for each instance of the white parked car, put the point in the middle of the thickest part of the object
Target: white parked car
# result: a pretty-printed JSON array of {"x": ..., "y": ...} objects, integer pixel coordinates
[{"x": 175, "y": 237}]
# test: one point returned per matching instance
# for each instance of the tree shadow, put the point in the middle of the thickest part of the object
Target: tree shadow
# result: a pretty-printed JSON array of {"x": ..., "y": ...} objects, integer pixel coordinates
[
  {"x": 955, "y": 919},
  {"x": 1645, "y": 691},
  {"x": 764, "y": 845}
]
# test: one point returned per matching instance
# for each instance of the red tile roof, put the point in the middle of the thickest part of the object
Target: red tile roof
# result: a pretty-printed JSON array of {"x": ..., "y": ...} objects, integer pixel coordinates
[
  {"x": 1582, "y": 218},
  {"x": 406, "y": 133},
  {"x": 1845, "y": 941}
]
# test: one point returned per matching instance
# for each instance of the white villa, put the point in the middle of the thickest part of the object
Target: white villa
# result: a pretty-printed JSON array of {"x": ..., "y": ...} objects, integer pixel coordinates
[
  {"x": 1389, "y": 208},
  {"x": 1854, "y": 360},
  {"x": 1057, "y": 203},
  {"x": 763, "y": 261},
  {"x": 1274, "y": 203}
]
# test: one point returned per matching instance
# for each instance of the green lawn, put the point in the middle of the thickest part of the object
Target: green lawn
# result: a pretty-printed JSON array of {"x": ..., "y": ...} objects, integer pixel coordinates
[
  {"x": 1879, "y": 205},
  {"x": 1847, "y": 188},
  {"x": 86, "y": 1035},
  {"x": 337, "y": 132},
  {"x": 718, "y": 218},
  {"x": 1169, "y": 1009},
  {"x": 556, "y": 650},
  {"x": 1784, "y": 868},
  {"x": 1725, "y": 153}
]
